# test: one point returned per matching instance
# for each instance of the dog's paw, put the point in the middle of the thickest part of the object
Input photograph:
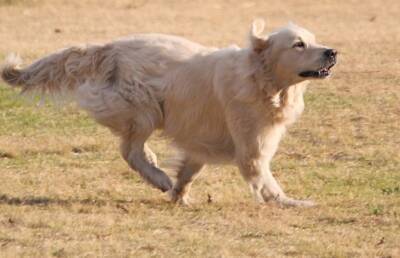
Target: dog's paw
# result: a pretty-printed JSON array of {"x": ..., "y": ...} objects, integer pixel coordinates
[
  {"x": 177, "y": 198},
  {"x": 289, "y": 202}
]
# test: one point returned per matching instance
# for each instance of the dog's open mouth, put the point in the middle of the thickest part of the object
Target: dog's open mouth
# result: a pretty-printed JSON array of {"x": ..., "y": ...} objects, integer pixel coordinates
[{"x": 321, "y": 73}]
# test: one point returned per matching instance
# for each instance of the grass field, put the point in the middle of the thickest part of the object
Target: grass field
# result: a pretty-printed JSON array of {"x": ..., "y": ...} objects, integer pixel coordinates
[{"x": 66, "y": 192}]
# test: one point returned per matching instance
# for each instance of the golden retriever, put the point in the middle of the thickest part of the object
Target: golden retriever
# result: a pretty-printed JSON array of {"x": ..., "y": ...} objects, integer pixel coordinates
[{"x": 228, "y": 105}]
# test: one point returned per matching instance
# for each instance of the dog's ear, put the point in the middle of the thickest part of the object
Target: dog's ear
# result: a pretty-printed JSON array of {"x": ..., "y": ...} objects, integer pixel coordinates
[{"x": 257, "y": 40}]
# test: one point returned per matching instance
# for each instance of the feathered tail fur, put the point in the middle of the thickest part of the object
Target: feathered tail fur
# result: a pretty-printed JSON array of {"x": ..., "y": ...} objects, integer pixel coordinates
[{"x": 61, "y": 71}]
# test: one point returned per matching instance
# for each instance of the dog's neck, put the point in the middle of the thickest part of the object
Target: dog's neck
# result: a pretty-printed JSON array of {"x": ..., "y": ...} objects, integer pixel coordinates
[
  {"x": 290, "y": 103},
  {"x": 284, "y": 102}
]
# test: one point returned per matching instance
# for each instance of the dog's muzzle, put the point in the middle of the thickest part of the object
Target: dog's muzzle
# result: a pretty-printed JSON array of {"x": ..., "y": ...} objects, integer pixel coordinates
[{"x": 329, "y": 56}]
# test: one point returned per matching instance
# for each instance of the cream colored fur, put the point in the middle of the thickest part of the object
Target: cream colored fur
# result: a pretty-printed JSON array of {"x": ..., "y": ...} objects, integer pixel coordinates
[{"x": 227, "y": 105}]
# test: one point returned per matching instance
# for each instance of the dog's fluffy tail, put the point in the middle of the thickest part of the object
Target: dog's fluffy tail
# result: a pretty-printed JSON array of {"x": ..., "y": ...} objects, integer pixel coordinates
[
  {"x": 62, "y": 71},
  {"x": 9, "y": 71}
]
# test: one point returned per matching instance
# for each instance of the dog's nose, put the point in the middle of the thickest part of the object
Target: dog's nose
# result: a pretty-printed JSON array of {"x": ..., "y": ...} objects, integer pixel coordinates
[{"x": 330, "y": 53}]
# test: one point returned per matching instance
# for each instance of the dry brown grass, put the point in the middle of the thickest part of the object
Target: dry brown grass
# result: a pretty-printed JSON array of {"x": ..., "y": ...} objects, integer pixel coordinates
[{"x": 64, "y": 190}]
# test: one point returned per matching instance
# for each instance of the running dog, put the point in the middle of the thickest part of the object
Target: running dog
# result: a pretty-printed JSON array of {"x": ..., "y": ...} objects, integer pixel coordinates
[{"x": 229, "y": 105}]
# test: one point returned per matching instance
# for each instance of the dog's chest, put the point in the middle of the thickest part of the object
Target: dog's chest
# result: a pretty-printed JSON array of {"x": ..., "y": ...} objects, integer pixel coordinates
[{"x": 291, "y": 104}]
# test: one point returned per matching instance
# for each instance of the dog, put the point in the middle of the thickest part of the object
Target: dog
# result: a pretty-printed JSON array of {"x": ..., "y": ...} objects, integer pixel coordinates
[{"x": 229, "y": 105}]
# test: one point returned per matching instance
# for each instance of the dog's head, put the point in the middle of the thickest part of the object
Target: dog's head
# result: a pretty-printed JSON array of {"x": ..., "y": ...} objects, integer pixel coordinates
[{"x": 292, "y": 53}]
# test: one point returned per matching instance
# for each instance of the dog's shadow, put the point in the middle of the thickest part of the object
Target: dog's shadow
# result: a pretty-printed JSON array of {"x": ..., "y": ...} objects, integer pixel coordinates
[{"x": 43, "y": 201}]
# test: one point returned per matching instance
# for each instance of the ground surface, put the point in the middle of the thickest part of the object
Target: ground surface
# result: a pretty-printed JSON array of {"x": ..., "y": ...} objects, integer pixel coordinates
[{"x": 65, "y": 191}]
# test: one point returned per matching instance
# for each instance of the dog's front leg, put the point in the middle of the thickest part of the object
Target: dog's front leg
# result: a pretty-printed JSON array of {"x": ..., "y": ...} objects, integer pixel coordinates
[
  {"x": 255, "y": 170},
  {"x": 187, "y": 172},
  {"x": 257, "y": 173},
  {"x": 256, "y": 142},
  {"x": 254, "y": 152},
  {"x": 271, "y": 190}
]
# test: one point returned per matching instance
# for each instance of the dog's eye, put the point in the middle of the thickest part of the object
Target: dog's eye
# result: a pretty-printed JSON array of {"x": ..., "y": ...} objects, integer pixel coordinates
[{"x": 299, "y": 44}]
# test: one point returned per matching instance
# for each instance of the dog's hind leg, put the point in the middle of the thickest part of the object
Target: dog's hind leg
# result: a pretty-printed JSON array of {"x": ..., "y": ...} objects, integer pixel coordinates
[
  {"x": 132, "y": 120},
  {"x": 187, "y": 172},
  {"x": 141, "y": 159}
]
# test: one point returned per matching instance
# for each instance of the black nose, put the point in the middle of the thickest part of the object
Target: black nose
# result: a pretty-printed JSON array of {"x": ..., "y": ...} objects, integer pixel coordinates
[{"x": 330, "y": 53}]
